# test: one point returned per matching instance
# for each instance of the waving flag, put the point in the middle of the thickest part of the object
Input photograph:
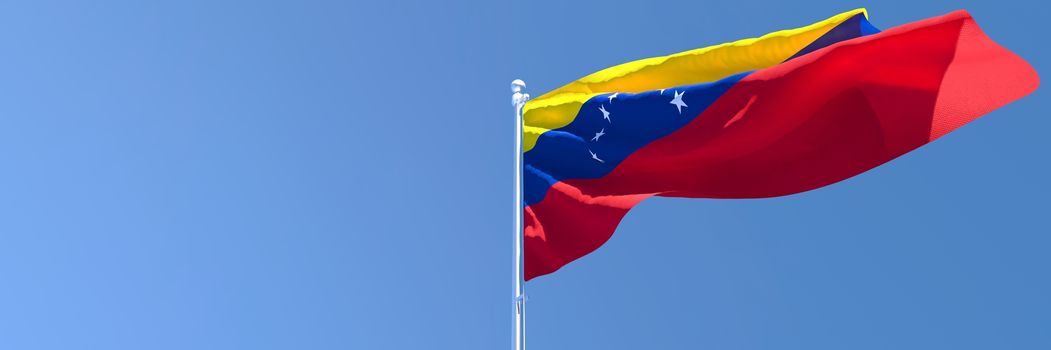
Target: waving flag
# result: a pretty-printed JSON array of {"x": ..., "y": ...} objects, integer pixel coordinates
[{"x": 785, "y": 113}]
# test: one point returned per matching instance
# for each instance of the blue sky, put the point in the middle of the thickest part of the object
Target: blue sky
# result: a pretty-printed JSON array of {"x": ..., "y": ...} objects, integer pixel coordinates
[{"x": 337, "y": 175}]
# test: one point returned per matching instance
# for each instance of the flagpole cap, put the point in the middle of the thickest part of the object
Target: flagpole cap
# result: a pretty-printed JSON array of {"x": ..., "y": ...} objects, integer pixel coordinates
[{"x": 517, "y": 85}]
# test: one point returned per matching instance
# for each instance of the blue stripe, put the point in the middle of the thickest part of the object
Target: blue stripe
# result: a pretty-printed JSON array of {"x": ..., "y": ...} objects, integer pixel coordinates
[
  {"x": 853, "y": 27},
  {"x": 635, "y": 120}
]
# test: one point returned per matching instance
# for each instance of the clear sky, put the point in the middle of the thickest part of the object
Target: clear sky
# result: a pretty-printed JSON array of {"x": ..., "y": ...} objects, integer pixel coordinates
[{"x": 337, "y": 175}]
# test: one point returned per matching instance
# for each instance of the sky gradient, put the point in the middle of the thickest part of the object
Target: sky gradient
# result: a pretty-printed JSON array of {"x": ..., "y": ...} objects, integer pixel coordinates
[{"x": 338, "y": 175}]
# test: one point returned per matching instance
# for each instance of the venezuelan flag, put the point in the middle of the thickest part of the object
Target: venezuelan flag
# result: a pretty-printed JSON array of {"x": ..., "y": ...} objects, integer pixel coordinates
[{"x": 784, "y": 113}]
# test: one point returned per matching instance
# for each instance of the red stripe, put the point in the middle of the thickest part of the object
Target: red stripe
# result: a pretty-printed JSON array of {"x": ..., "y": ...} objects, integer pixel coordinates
[
  {"x": 804, "y": 124},
  {"x": 572, "y": 225}
]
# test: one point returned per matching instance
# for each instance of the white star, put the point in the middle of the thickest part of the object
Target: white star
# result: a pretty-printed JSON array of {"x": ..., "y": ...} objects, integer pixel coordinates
[
  {"x": 605, "y": 114},
  {"x": 677, "y": 101},
  {"x": 595, "y": 157},
  {"x": 599, "y": 134},
  {"x": 613, "y": 96},
  {"x": 662, "y": 91}
]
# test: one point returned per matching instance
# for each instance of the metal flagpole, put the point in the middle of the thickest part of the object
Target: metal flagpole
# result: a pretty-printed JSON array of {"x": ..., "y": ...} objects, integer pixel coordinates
[{"x": 518, "y": 100}]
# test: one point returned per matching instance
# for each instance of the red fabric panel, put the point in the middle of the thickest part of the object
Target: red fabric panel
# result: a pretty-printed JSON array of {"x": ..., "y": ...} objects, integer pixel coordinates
[{"x": 804, "y": 124}]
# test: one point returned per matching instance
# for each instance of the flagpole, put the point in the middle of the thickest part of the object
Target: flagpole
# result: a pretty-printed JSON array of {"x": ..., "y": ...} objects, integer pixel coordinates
[{"x": 518, "y": 100}]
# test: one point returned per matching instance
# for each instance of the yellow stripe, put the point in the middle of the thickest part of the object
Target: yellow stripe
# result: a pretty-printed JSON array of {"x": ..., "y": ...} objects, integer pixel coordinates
[{"x": 557, "y": 108}]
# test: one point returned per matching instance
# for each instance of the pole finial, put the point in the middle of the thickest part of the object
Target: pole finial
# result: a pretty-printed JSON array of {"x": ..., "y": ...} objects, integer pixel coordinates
[
  {"x": 519, "y": 98},
  {"x": 517, "y": 85}
]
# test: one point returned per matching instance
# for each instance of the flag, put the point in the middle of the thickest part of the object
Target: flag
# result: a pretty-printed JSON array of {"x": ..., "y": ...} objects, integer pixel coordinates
[{"x": 784, "y": 113}]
